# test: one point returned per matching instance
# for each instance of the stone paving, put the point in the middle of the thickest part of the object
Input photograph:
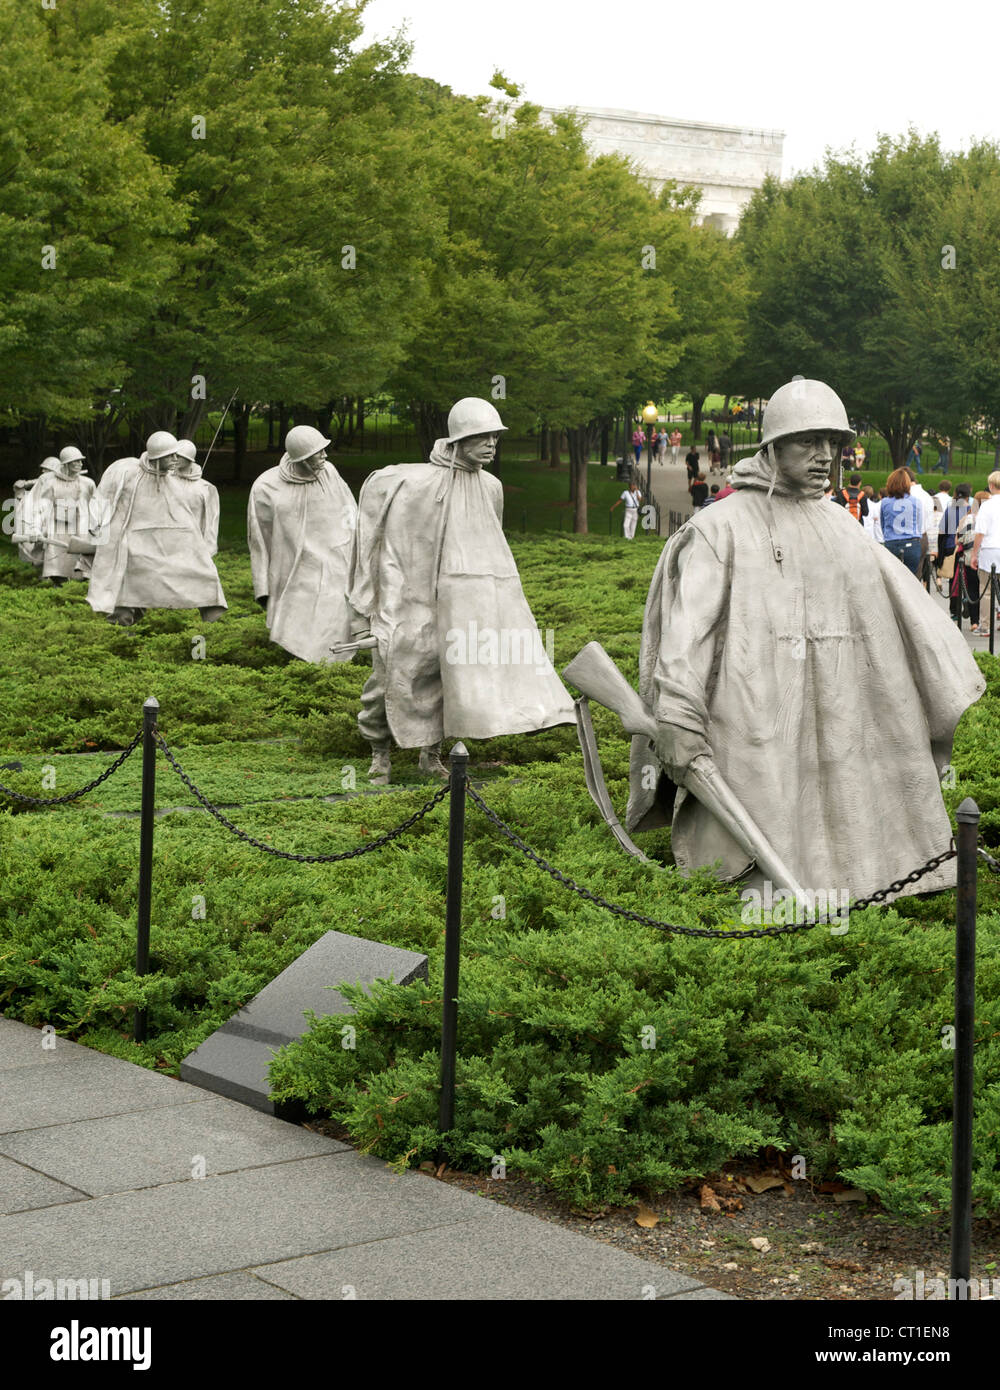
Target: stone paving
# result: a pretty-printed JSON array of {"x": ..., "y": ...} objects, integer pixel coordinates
[{"x": 109, "y": 1171}]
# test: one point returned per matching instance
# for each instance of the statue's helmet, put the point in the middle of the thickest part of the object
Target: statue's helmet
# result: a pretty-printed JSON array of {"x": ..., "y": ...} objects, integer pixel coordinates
[
  {"x": 188, "y": 450},
  {"x": 51, "y": 464},
  {"x": 302, "y": 442},
  {"x": 803, "y": 406},
  {"x": 71, "y": 454},
  {"x": 471, "y": 416},
  {"x": 160, "y": 444}
]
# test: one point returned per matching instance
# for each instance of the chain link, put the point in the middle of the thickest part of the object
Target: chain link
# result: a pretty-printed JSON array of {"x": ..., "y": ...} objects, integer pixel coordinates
[
  {"x": 711, "y": 932},
  {"x": 385, "y": 839},
  {"x": 82, "y": 791}
]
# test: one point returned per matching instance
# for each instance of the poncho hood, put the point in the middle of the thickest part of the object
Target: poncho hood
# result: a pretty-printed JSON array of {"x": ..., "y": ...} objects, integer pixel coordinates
[{"x": 445, "y": 455}]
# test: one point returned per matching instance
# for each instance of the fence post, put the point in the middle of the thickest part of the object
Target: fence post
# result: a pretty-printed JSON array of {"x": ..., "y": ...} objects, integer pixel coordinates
[
  {"x": 150, "y": 711},
  {"x": 452, "y": 938},
  {"x": 993, "y": 603},
  {"x": 967, "y": 840}
]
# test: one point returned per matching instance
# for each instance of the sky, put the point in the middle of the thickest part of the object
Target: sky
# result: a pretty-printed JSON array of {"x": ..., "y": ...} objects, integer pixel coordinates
[{"x": 829, "y": 76}]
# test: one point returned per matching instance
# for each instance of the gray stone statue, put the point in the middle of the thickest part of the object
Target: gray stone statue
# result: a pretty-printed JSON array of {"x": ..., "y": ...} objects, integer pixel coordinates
[
  {"x": 151, "y": 551},
  {"x": 798, "y": 663},
  {"x": 203, "y": 497},
  {"x": 457, "y": 651},
  {"x": 63, "y": 509},
  {"x": 300, "y": 525},
  {"x": 26, "y": 534}
]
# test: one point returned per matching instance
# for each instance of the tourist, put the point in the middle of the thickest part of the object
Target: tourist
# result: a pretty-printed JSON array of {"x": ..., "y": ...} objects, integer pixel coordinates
[
  {"x": 913, "y": 457},
  {"x": 693, "y": 464},
  {"x": 773, "y": 631},
  {"x": 853, "y": 498},
  {"x": 725, "y": 450},
  {"x": 847, "y": 458},
  {"x": 713, "y": 494},
  {"x": 661, "y": 446},
  {"x": 638, "y": 442},
  {"x": 632, "y": 498},
  {"x": 943, "y": 494},
  {"x": 965, "y": 577},
  {"x": 150, "y": 551},
  {"x": 712, "y": 447},
  {"x": 859, "y": 456},
  {"x": 433, "y": 580},
  {"x": 944, "y": 455},
  {"x": 870, "y": 519},
  {"x": 986, "y": 547},
  {"x": 901, "y": 517},
  {"x": 698, "y": 489},
  {"x": 676, "y": 438},
  {"x": 301, "y": 519},
  {"x": 928, "y": 549}
]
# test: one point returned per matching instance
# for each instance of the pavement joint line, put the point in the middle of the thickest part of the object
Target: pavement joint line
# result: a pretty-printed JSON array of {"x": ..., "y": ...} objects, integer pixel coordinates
[
  {"x": 249, "y": 1270},
  {"x": 86, "y": 1119}
]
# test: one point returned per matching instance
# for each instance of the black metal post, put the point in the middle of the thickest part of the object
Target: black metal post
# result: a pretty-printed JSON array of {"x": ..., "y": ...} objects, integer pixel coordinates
[
  {"x": 993, "y": 603},
  {"x": 452, "y": 938},
  {"x": 150, "y": 711},
  {"x": 967, "y": 839}
]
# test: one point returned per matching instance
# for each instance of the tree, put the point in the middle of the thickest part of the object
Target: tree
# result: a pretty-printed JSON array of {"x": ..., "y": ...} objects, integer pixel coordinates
[
  {"x": 829, "y": 255},
  {"x": 87, "y": 222}
]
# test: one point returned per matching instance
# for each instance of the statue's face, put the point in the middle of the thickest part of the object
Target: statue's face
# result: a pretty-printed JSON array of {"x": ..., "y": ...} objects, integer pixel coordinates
[
  {"x": 168, "y": 463},
  {"x": 314, "y": 464},
  {"x": 478, "y": 449},
  {"x": 74, "y": 467},
  {"x": 804, "y": 461}
]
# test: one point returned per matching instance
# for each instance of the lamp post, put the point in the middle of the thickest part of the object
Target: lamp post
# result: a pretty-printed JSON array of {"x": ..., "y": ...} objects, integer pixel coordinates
[{"x": 650, "y": 414}]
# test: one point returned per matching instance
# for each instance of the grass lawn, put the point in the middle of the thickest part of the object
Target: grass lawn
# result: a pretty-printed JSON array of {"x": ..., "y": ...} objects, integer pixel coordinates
[{"x": 821, "y": 1045}]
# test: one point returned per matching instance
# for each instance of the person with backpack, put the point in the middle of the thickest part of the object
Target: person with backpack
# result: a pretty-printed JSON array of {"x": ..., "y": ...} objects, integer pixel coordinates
[{"x": 853, "y": 498}]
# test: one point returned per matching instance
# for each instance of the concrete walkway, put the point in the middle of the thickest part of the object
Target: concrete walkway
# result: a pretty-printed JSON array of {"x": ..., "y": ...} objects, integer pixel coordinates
[{"x": 101, "y": 1166}]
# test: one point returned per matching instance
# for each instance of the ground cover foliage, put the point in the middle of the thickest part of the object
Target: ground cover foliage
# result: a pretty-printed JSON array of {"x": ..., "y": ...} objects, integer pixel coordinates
[{"x": 826, "y": 1046}]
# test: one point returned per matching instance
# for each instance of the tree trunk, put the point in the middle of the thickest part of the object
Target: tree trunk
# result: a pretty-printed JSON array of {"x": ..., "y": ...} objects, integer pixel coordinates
[
  {"x": 241, "y": 429},
  {"x": 192, "y": 418},
  {"x": 696, "y": 404},
  {"x": 360, "y": 423},
  {"x": 605, "y": 431},
  {"x": 270, "y": 427},
  {"x": 555, "y": 442},
  {"x": 431, "y": 423},
  {"x": 579, "y": 452},
  {"x": 324, "y": 417},
  {"x": 543, "y": 444},
  {"x": 283, "y": 419}
]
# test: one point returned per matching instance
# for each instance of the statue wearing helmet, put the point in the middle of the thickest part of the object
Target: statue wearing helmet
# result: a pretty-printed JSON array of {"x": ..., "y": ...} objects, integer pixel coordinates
[
  {"x": 64, "y": 510},
  {"x": 203, "y": 498},
  {"x": 776, "y": 633},
  {"x": 436, "y": 591},
  {"x": 151, "y": 550},
  {"x": 300, "y": 526}
]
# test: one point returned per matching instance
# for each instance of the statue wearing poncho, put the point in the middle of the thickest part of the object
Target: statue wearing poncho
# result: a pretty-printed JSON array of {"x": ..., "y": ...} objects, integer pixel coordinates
[
  {"x": 300, "y": 525},
  {"x": 151, "y": 552},
  {"x": 458, "y": 652},
  {"x": 824, "y": 680}
]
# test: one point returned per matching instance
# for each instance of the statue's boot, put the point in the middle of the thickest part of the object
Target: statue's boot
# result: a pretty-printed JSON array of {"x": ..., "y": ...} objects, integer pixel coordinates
[
  {"x": 431, "y": 764},
  {"x": 125, "y": 617},
  {"x": 378, "y": 773},
  {"x": 211, "y": 615}
]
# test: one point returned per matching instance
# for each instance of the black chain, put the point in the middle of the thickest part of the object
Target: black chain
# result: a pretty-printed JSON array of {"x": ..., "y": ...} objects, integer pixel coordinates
[
  {"x": 385, "y": 839},
  {"x": 82, "y": 791},
  {"x": 630, "y": 916}
]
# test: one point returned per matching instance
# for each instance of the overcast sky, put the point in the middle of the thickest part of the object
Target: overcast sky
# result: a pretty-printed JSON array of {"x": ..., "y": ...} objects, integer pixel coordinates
[{"x": 827, "y": 75}]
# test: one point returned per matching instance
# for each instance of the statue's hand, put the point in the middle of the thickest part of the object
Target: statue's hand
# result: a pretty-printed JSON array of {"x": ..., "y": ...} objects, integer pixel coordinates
[{"x": 677, "y": 749}]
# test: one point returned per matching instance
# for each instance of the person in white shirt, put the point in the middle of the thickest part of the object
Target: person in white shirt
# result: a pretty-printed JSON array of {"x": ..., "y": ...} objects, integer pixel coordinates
[
  {"x": 932, "y": 521},
  {"x": 632, "y": 498},
  {"x": 943, "y": 495},
  {"x": 870, "y": 521},
  {"x": 986, "y": 547}
]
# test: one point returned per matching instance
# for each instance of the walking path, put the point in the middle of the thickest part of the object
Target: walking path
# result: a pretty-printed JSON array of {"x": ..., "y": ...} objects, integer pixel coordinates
[{"x": 101, "y": 1166}]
